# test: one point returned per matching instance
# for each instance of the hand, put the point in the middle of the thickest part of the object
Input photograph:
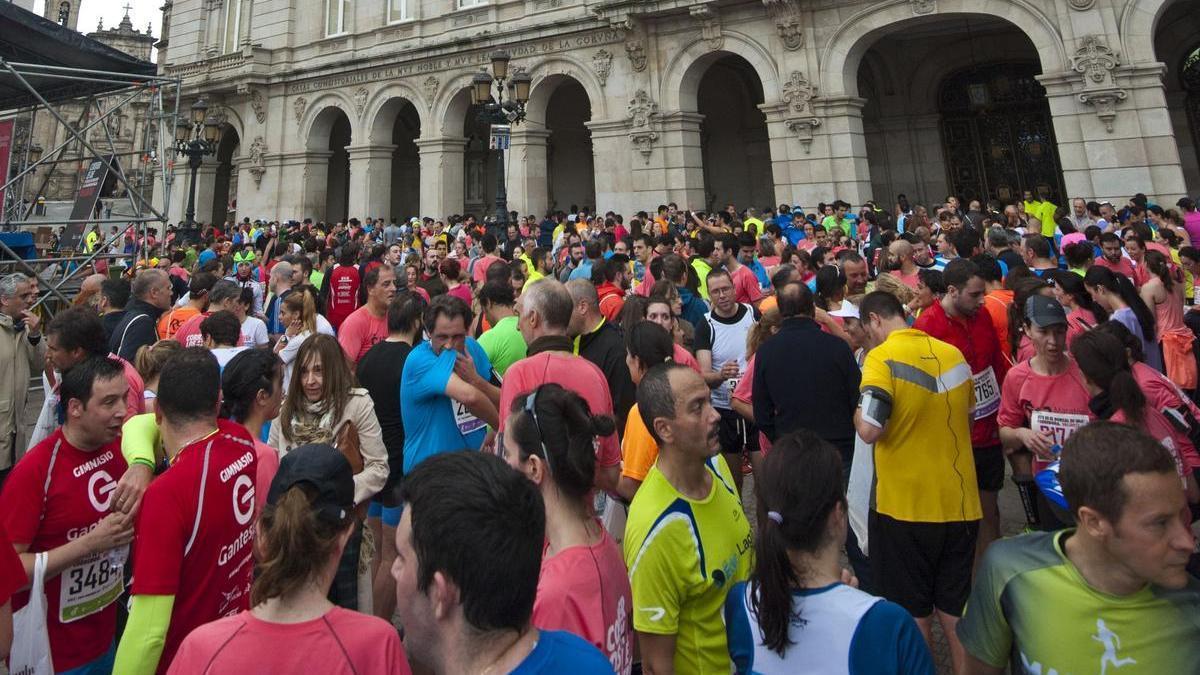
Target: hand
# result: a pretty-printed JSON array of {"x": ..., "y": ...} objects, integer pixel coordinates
[
  {"x": 114, "y": 530},
  {"x": 464, "y": 367},
  {"x": 1038, "y": 443},
  {"x": 294, "y": 328},
  {"x": 131, "y": 488},
  {"x": 489, "y": 443},
  {"x": 32, "y": 321},
  {"x": 730, "y": 370}
]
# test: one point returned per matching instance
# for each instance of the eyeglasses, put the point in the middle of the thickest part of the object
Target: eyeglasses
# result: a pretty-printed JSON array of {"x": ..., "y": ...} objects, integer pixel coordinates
[{"x": 531, "y": 409}]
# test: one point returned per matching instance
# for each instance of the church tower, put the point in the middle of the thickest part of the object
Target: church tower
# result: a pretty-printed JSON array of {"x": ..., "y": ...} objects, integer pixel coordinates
[{"x": 63, "y": 12}]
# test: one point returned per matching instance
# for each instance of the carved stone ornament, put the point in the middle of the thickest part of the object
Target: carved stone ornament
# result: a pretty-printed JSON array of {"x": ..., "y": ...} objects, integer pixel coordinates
[
  {"x": 791, "y": 32},
  {"x": 260, "y": 108},
  {"x": 642, "y": 111},
  {"x": 298, "y": 106},
  {"x": 803, "y": 128},
  {"x": 431, "y": 88},
  {"x": 257, "y": 164},
  {"x": 1096, "y": 61},
  {"x": 710, "y": 26},
  {"x": 636, "y": 51},
  {"x": 923, "y": 6},
  {"x": 219, "y": 115},
  {"x": 602, "y": 64},
  {"x": 798, "y": 93},
  {"x": 1105, "y": 103},
  {"x": 1081, "y": 5},
  {"x": 360, "y": 100}
]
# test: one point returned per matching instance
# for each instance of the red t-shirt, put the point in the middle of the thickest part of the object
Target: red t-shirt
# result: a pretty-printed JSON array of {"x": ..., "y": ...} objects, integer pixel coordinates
[
  {"x": 976, "y": 338},
  {"x": 1157, "y": 426},
  {"x": 343, "y": 294},
  {"x": 479, "y": 272},
  {"x": 189, "y": 335},
  {"x": 745, "y": 286},
  {"x": 12, "y": 572},
  {"x": 571, "y": 372},
  {"x": 340, "y": 641},
  {"x": 684, "y": 358},
  {"x": 1054, "y": 404},
  {"x": 1125, "y": 266},
  {"x": 54, "y": 495},
  {"x": 195, "y": 533},
  {"x": 585, "y": 590},
  {"x": 1161, "y": 393},
  {"x": 361, "y": 331}
]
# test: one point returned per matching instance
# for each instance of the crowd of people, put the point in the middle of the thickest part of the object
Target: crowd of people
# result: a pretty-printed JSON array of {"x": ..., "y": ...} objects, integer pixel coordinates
[{"x": 456, "y": 447}]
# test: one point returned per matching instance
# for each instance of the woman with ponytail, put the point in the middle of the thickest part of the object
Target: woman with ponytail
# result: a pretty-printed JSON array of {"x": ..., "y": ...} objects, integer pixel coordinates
[
  {"x": 1117, "y": 295},
  {"x": 251, "y": 393},
  {"x": 298, "y": 313},
  {"x": 797, "y": 614},
  {"x": 647, "y": 344},
  {"x": 1164, "y": 293},
  {"x": 1117, "y": 396},
  {"x": 1083, "y": 313},
  {"x": 292, "y": 627},
  {"x": 583, "y": 587}
]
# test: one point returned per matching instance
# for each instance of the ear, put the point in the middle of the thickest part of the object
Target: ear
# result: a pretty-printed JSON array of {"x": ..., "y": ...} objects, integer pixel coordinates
[
  {"x": 662, "y": 427},
  {"x": 443, "y": 596},
  {"x": 1092, "y": 522}
]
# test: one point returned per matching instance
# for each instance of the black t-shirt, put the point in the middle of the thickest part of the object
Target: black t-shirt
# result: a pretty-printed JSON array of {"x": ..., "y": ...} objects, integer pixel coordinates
[{"x": 379, "y": 372}]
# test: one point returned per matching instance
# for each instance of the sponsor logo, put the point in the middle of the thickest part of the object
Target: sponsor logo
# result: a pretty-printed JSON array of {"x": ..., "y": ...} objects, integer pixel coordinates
[
  {"x": 243, "y": 499},
  {"x": 237, "y": 465},
  {"x": 92, "y": 464},
  {"x": 656, "y": 613},
  {"x": 101, "y": 488}
]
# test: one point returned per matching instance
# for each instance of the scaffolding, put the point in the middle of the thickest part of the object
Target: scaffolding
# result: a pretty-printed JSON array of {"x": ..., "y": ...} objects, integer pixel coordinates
[{"x": 152, "y": 160}]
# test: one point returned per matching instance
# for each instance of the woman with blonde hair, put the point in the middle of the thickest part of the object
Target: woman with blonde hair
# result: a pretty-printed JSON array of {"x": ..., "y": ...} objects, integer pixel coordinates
[
  {"x": 741, "y": 400},
  {"x": 149, "y": 363},
  {"x": 298, "y": 312},
  {"x": 323, "y": 404}
]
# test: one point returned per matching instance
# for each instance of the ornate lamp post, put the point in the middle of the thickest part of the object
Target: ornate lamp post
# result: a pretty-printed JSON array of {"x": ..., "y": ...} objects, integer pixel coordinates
[
  {"x": 501, "y": 114},
  {"x": 195, "y": 137}
]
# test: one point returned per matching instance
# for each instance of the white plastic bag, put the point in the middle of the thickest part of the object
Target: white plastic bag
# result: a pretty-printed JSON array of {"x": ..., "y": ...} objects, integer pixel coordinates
[
  {"x": 858, "y": 492},
  {"x": 31, "y": 641}
]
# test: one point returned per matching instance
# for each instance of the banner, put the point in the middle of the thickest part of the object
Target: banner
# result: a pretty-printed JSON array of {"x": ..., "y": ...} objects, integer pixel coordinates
[
  {"x": 90, "y": 187},
  {"x": 501, "y": 137},
  {"x": 6, "y": 137}
]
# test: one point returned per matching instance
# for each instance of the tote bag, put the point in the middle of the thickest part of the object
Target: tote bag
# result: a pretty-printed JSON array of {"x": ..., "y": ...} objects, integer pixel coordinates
[{"x": 31, "y": 641}]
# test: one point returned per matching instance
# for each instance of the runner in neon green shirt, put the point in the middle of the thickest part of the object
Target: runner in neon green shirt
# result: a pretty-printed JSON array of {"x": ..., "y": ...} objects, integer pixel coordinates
[{"x": 687, "y": 540}]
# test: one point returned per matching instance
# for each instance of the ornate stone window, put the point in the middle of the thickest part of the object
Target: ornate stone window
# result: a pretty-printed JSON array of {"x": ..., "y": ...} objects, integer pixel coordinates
[
  {"x": 336, "y": 12},
  {"x": 463, "y": 4},
  {"x": 399, "y": 10},
  {"x": 232, "y": 27}
]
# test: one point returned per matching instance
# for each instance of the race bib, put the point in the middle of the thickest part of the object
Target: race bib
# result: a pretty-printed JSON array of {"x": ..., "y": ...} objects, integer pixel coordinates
[
  {"x": 1058, "y": 426},
  {"x": 92, "y": 584},
  {"x": 467, "y": 422},
  {"x": 987, "y": 393}
]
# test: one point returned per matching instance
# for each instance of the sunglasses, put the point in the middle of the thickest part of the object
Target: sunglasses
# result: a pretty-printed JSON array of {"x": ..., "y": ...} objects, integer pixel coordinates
[{"x": 531, "y": 410}]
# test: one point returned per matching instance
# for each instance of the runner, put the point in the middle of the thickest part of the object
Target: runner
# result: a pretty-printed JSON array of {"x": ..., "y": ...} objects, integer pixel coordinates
[
  {"x": 687, "y": 539},
  {"x": 1118, "y": 296},
  {"x": 465, "y": 512},
  {"x": 251, "y": 394},
  {"x": 916, "y": 403},
  {"x": 58, "y": 500},
  {"x": 550, "y": 438},
  {"x": 367, "y": 325},
  {"x": 292, "y": 626},
  {"x": 502, "y": 342},
  {"x": 1111, "y": 592},
  {"x": 797, "y": 614},
  {"x": 647, "y": 344},
  {"x": 192, "y": 560},
  {"x": 659, "y": 311}
]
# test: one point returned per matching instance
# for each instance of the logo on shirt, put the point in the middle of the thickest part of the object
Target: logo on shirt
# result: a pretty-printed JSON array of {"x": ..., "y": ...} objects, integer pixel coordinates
[
  {"x": 243, "y": 499},
  {"x": 1111, "y": 642},
  {"x": 656, "y": 613},
  {"x": 101, "y": 487}
]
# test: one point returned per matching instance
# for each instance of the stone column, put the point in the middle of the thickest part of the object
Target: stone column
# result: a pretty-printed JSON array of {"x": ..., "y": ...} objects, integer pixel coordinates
[
  {"x": 820, "y": 153},
  {"x": 206, "y": 183},
  {"x": 441, "y": 175},
  {"x": 303, "y": 184},
  {"x": 1116, "y": 139},
  {"x": 683, "y": 159},
  {"x": 370, "y": 180},
  {"x": 612, "y": 157},
  {"x": 528, "y": 172}
]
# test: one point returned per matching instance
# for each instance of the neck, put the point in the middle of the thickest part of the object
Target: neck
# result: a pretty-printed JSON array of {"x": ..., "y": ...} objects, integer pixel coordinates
[
  {"x": 592, "y": 321},
  {"x": 376, "y": 310},
  {"x": 732, "y": 266},
  {"x": 406, "y": 338},
  {"x": 684, "y": 473},
  {"x": 908, "y": 267},
  {"x": 817, "y": 570},
  {"x": 501, "y": 312},
  {"x": 254, "y": 423},
  {"x": 948, "y": 306},
  {"x": 727, "y": 312},
  {"x": 567, "y": 522},
  {"x": 305, "y": 604},
  {"x": 79, "y": 439},
  {"x": 495, "y": 652},
  {"x": 1047, "y": 365},
  {"x": 176, "y": 436},
  {"x": 1098, "y": 568}
]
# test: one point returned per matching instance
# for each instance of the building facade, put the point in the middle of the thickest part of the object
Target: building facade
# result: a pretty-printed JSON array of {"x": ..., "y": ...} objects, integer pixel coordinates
[
  {"x": 127, "y": 128},
  {"x": 362, "y": 107}
]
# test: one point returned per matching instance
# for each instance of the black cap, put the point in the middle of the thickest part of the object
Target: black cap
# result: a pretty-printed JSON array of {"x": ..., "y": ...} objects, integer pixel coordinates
[
  {"x": 323, "y": 468},
  {"x": 1044, "y": 312}
]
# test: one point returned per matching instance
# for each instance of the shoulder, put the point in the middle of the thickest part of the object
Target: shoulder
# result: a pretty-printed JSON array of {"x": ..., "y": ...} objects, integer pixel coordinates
[
  {"x": 363, "y": 625},
  {"x": 565, "y": 650},
  {"x": 1009, "y": 558},
  {"x": 208, "y": 638}
]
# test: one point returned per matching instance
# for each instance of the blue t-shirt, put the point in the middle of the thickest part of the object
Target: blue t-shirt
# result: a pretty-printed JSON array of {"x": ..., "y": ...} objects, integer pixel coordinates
[
  {"x": 434, "y": 422},
  {"x": 584, "y": 271},
  {"x": 206, "y": 255},
  {"x": 561, "y": 652}
]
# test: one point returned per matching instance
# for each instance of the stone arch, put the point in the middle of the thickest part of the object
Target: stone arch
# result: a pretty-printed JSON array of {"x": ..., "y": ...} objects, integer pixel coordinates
[
  {"x": 232, "y": 120},
  {"x": 451, "y": 106},
  {"x": 225, "y": 179},
  {"x": 1137, "y": 25},
  {"x": 549, "y": 74},
  {"x": 681, "y": 78},
  {"x": 318, "y": 120},
  {"x": 382, "y": 108},
  {"x": 844, "y": 50}
]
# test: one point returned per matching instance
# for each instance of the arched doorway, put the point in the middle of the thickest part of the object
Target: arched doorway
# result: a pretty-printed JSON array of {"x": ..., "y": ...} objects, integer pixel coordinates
[
  {"x": 337, "y": 196},
  {"x": 1176, "y": 44},
  {"x": 733, "y": 136},
  {"x": 571, "y": 177},
  {"x": 479, "y": 166},
  {"x": 406, "y": 164},
  {"x": 224, "y": 203},
  {"x": 997, "y": 134},
  {"x": 1189, "y": 77}
]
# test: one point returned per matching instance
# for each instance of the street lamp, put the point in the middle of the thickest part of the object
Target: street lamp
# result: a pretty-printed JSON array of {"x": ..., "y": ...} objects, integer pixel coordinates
[
  {"x": 501, "y": 114},
  {"x": 195, "y": 137}
]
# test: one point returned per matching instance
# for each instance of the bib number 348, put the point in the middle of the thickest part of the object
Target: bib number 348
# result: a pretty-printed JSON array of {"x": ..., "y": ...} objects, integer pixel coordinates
[{"x": 89, "y": 586}]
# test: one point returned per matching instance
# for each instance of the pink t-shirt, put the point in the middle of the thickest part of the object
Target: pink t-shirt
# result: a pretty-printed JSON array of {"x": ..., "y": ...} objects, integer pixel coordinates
[
  {"x": 1054, "y": 404},
  {"x": 1155, "y": 424},
  {"x": 462, "y": 292},
  {"x": 745, "y": 286},
  {"x": 585, "y": 590},
  {"x": 361, "y": 331},
  {"x": 1124, "y": 266},
  {"x": 1162, "y": 393},
  {"x": 135, "y": 399},
  {"x": 909, "y": 280},
  {"x": 684, "y": 358},
  {"x": 743, "y": 392},
  {"x": 264, "y": 472},
  {"x": 479, "y": 272},
  {"x": 571, "y": 372},
  {"x": 340, "y": 642}
]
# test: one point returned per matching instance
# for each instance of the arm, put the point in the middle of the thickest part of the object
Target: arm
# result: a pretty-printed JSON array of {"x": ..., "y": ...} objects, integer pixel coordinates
[
  {"x": 145, "y": 633},
  {"x": 977, "y": 667},
  {"x": 658, "y": 653},
  {"x": 115, "y": 529},
  {"x": 713, "y": 378},
  {"x": 369, "y": 481},
  {"x": 608, "y": 477},
  {"x": 744, "y": 409},
  {"x": 866, "y": 431},
  {"x": 475, "y": 400},
  {"x": 627, "y": 487}
]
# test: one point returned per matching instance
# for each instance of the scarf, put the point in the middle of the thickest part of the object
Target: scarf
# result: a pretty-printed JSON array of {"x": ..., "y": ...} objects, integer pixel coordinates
[{"x": 311, "y": 424}]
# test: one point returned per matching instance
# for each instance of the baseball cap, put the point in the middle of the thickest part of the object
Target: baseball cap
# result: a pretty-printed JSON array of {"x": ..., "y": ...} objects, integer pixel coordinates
[
  {"x": 848, "y": 310},
  {"x": 1044, "y": 312},
  {"x": 324, "y": 469}
]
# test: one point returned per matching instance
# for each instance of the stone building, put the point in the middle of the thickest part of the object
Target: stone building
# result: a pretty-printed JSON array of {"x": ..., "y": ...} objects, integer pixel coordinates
[
  {"x": 362, "y": 107},
  {"x": 126, "y": 127}
]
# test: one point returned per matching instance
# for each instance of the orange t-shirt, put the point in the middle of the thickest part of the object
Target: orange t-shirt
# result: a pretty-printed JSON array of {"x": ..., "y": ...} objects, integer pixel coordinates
[
  {"x": 996, "y": 303},
  {"x": 638, "y": 449},
  {"x": 171, "y": 321}
]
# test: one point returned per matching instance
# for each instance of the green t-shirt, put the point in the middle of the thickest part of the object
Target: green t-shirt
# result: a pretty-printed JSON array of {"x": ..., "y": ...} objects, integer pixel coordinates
[
  {"x": 1031, "y": 607},
  {"x": 683, "y": 557},
  {"x": 702, "y": 270},
  {"x": 316, "y": 279},
  {"x": 504, "y": 344}
]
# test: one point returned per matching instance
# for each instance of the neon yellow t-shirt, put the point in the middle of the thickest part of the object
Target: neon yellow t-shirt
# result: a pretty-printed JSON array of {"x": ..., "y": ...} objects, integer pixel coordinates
[
  {"x": 753, "y": 226},
  {"x": 683, "y": 557},
  {"x": 91, "y": 240}
]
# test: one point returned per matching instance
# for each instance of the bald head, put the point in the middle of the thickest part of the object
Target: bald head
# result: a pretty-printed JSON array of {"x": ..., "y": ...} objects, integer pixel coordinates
[
  {"x": 901, "y": 250},
  {"x": 551, "y": 303},
  {"x": 91, "y": 284}
]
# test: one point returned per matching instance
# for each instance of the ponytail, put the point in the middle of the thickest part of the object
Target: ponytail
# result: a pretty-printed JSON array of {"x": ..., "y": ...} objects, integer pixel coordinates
[
  {"x": 762, "y": 329},
  {"x": 302, "y": 302},
  {"x": 1103, "y": 360},
  {"x": 562, "y": 432},
  {"x": 1120, "y": 285},
  {"x": 1156, "y": 262},
  {"x": 294, "y": 545}
]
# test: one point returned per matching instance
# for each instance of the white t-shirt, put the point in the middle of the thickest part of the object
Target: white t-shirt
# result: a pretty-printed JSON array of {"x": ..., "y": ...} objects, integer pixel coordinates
[
  {"x": 225, "y": 354},
  {"x": 254, "y": 332},
  {"x": 324, "y": 327}
]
